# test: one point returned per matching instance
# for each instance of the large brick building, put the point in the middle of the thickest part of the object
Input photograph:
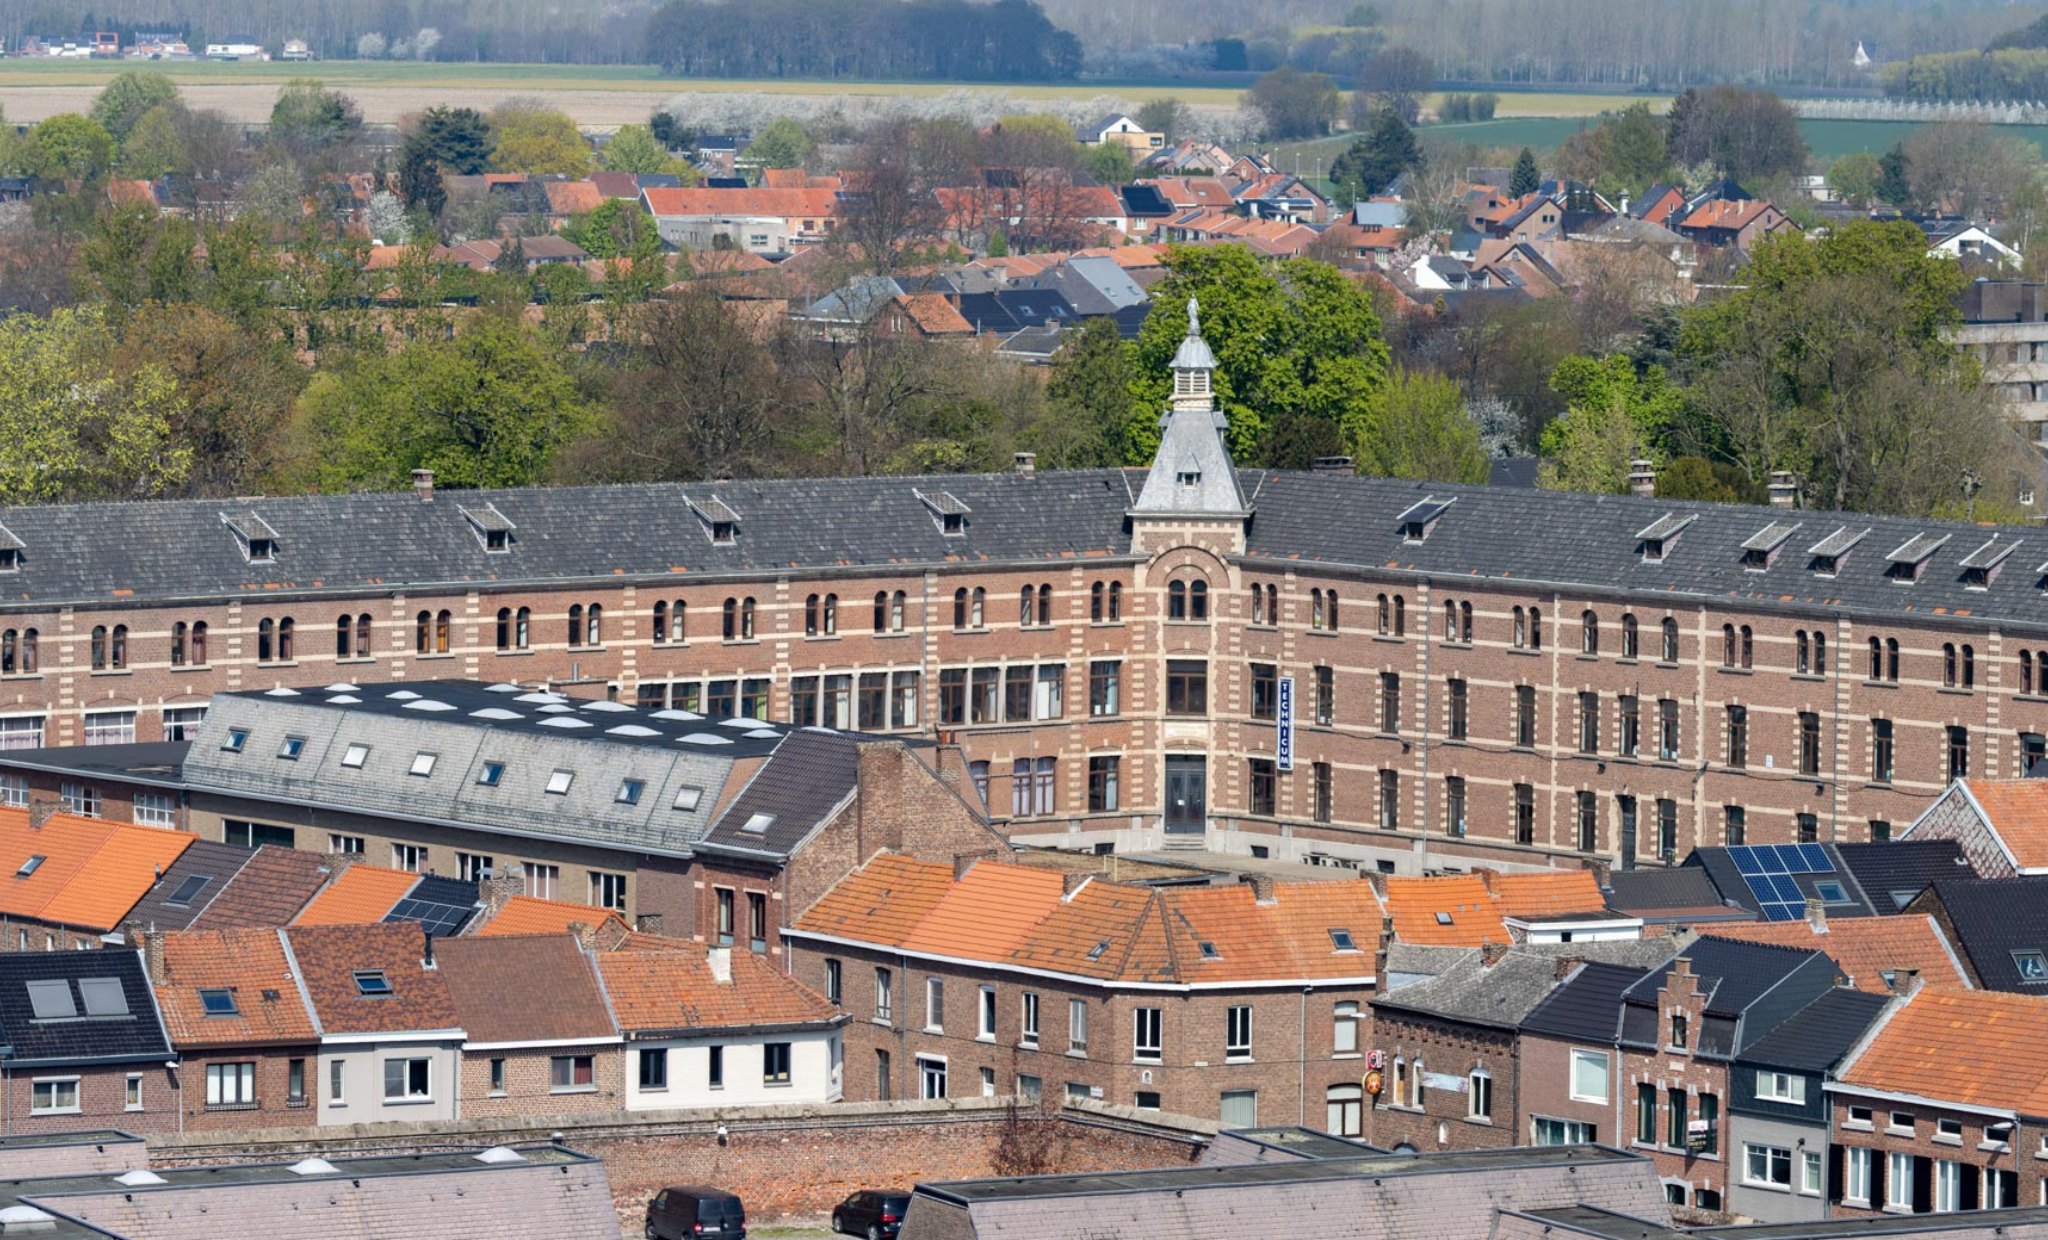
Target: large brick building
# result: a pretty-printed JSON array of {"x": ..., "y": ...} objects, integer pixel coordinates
[{"x": 1507, "y": 675}]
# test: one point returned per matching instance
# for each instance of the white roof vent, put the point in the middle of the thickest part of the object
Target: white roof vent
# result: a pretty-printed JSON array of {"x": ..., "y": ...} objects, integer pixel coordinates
[
  {"x": 139, "y": 1178},
  {"x": 341, "y": 688},
  {"x": 403, "y": 695},
  {"x": 495, "y": 712},
  {"x": 280, "y": 691},
  {"x": 563, "y": 721},
  {"x": 631, "y": 729},
  {"x": 538, "y": 696},
  {"x": 704, "y": 738},
  {"x": 20, "y": 1218},
  {"x": 343, "y": 699},
  {"x": 313, "y": 1166},
  {"x": 689, "y": 716},
  {"x": 428, "y": 704},
  {"x": 608, "y": 706},
  {"x": 499, "y": 1154}
]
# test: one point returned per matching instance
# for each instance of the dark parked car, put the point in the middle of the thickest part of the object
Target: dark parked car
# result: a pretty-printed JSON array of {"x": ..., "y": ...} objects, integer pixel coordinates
[
  {"x": 876, "y": 1215},
  {"x": 688, "y": 1212}
]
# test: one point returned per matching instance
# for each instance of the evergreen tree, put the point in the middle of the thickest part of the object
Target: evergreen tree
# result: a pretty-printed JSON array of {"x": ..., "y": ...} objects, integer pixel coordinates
[
  {"x": 1526, "y": 177},
  {"x": 1375, "y": 160},
  {"x": 1894, "y": 176},
  {"x": 420, "y": 183}
]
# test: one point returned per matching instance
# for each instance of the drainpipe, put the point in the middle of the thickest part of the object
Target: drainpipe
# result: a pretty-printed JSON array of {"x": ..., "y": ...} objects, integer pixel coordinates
[{"x": 1301, "y": 1090}]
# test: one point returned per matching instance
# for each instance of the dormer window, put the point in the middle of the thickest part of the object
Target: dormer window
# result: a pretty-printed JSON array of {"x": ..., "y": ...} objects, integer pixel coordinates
[
  {"x": 1908, "y": 561},
  {"x": 10, "y": 551},
  {"x": 1419, "y": 520},
  {"x": 1189, "y": 479},
  {"x": 491, "y": 528},
  {"x": 720, "y": 522},
  {"x": 1656, "y": 540},
  {"x": 1761, "y": 549},
  {"x": 1831, "y": 554},
  {"x": 257, "y": 539},
  {"x": 1980, "y": 567},
  {"x": 946, "y": 510}
]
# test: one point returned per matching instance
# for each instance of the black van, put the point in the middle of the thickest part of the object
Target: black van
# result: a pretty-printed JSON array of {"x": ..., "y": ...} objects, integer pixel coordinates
[{"x": 689, "y": 1212}]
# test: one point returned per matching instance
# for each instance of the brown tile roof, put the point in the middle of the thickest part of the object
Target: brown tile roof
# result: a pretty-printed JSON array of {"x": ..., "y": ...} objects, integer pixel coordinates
[
  {"x": 91, "y": 871},
  {"x": 1865, "y": 948},
  {"x": 269, "y": 891},
  {"x": 1288, "y": 938},
  {"x": 616, "y": 184},
  {"x": 1557, "y": 893},
  {"x": 251, "y": 963},
  {"x": 656, "y": 992},
  {"x": 1720, "y": 213},
  {"x": 330, "y": 956},
  {"x": 533, "y": 915},
  {"x": 788, "y": 204},
  {"x": 933, "y": 314},
  {"x": 572, "y": 197},
  {"x": 1977, "y": 1047},
  {"x": 492, "y": 983},
  {"x": 2018, "y": 813},
  {"x": 362, "y": 894}
]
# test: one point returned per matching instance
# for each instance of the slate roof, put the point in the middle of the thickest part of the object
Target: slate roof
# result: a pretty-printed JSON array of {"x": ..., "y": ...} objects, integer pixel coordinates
[
  {"x": 130, "y": 1031},
  {"x": 492, "y": 982},
  {"x": 268, "y": 891},
  {"x": 1503, "y": 995},
  {"x": 1892, "y": 873},
  {"x": 1816, "y": 1039},
  {"x": 218, "y": 864},
  {"x": 375, "y": 542},
  {"x": 656, "y": 994},
  {"x": 329, "y": 957},
  {"x": 814, "y": 772},
  {"x": 1720, "y": 865},
  {"x": 1683, "y": 893},
  {"x": 1587, "y": 1007},
  {"x": 1978, "y": 1047},
  {"x": 1993, "y": 919},
  {"x": 251, "y": 965},
  {"x": 1747, "y": 989},
  {"x": 1870, "y": 950}
]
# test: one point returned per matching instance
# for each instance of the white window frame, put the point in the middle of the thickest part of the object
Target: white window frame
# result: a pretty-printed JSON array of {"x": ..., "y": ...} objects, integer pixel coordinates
[
  {"x": 1775, "y": 1086},
  {"x": 985, "y": 1017},
  {"x": 1479, "y": 1081},
  {"x": 53, "y": 1107},
  {"x": 1148, "y": 1035},
  {"x": 1772, "y": 1156},
  {"x": 1947, "y": 1186},
  {"x": 1028, "y": 1017},
  {"x": 133, "y": 1094},
  {"x": 1856, "y": 1165},
  {"x": 408, "y": 1096},
  {"x": 155, "y": 809},
  {"x": 930, "y": 1067},
  {"x": 354, "y": 756},
  {"x": 1344, "y": 1028},
  {"x": 1237, "y": 1033},
  {"x": 1898, "y": 1180},
  {"x": 409, "y": 858},
  {"x": 231, "y": 1083},
  {"x": 1077, "y": 1026},
  {"x": 934, "y": 1005},
  {"x": 1606, "y": 1076},
  {"x": 109, "y": 727},
  {"x": 337, "y": 1082},
  {"x": 1812, "y": 1173},
  {"x": 13, "y": 790}
]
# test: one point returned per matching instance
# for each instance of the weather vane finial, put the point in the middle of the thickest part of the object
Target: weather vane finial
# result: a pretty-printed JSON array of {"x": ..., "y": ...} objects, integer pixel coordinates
[{"x": 1194, "y": 317}]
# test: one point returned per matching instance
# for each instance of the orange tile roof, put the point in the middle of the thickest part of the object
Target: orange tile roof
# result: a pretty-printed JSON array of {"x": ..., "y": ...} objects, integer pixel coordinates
[
  {"x": 1865, "y": 948},
  {"x": 360, "y": 896},
  {"x": 91, "y": 873},
  {"x": 1456, "y": 910},
  {"x": 788, "y": 204},
  {"x": 1289, "y": 938},
  {"x": 1721, "y": 213},
  {"x": 532, "y": 915},
  {"x": 661, "y": 991},
  {"x": 572, "y": 197},
  {"x": 1976, "y": 1047},
  {"x": 251, "y": 963},
  {"x": 2017, "y": 810},
  {"x": 1556, "y": 893},
  {"x": 933, "y": 314},
  {"x": 986, "y": 912},
  {"x": 882, "y": 901}
]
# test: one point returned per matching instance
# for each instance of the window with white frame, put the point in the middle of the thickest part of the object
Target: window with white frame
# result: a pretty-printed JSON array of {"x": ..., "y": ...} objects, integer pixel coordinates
[
  {"x": 408, "y": 1080},
  {"x": 155, "y": 809},
  {"x": 132, "y": 1097},
  {"x": 1237, "y": 1037},
  {"x": 1029, "y": 1036},
  {"x": 1772, "y": 1086},
  {"x": 1589, "y": 1076},
  {"x": 985, "y": 1023},
  {"x": 1856, "y": 1174},
  {"x": 231, "y": 1084},
  {"x": 1767, "y": 1165},
  {"x": 608, "y": 890},
  {"x": 1810, "y": 1172},
  {"x": 543, "y": 882},
  {"x": 1898, "y": 1180},
  {"x": 13, "y": 790},
  {"x": 181, "y": 723},
  {"x": 1479, "y": 1095},
  {"x": 1948, "y": 1186},
  {"x": 931, "y": 1079},
  {"x": 57, "y": 1095},
  {"x": 1077, "y": 1026},
  {"x": 1543, "y": 1131},
  {"x": 110, "y": 727},
  {"x": 346, "y": 845},
  {"x": 1344, "y": 1034},
  {"x": 1147, "y": 1034},
  {"x": 21, "y": 732},
  {"x": 935, "y": 1006},
  {"x": 408, "y": 857},
  {"x": 80, "y": 799}
]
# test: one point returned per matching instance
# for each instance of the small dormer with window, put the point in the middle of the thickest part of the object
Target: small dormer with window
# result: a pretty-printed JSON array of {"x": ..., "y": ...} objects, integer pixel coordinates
[
  {"x": 1907, "y": 562},
  {"x": 1831, "y": 554},
  {"x": 1760, "y": 550},
  {"x": 1980, "y": 567},
  {"x": 1420, "y": 519},
  {"x": 721, "y": 523},
  {"x": 11, "y": 551},
  {"x": 491, "y": 527},
  {"x": 1657, "y": 539},
  {"x": 254, "y": 535},
  {"x": 948, "y": 513}
]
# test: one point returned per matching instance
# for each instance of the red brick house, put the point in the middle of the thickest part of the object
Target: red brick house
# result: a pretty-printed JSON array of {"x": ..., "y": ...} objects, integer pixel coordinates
[
  {"x": 245, "y": 1038},
  {"x": 531, "y": 1049},
  {"x": 87, "y": 1048}
]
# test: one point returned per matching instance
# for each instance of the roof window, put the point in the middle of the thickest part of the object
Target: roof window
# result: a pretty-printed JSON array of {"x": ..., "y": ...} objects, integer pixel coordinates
[
  {"x": 490, "y": 773},
  {"x": 10, "y": 551},
  {"x": 2032, "y": 966},
  {"x": 490, "y": 526},
  {"x": 254, "y": 535},
  {"x": 235, "y": 739},
  {"x": 291, "y": 749},
  {"x": 1095, "y": 952},
  {"x": 758, "y": 824},
  {"x": 1656, "y": 538},
  {"x": 558, "y": 783},
  {"x": 946, "y": 510},
  {"x": 354, "y": 757},
  {"x": 51, "y": 1000},
  {"x": 423, "y": 763},
  {"x": 372, "y": 984},
  {"x": 219, "y": 1003},
  {"x": 1420, "y": 519},
  {"x": 629, "y": 791},
  {"x": 1340, "y": 940},
  {"x": 1443, "y": 919},
  {"x": 1760, "y": 550},
  {"x": 103, "y": 996},
  {"x": 188, "y": 891},
  {"x": 688, "y": 798},
  {"x": 30, "y": 866},
  {"x": 720, "y": 522}
]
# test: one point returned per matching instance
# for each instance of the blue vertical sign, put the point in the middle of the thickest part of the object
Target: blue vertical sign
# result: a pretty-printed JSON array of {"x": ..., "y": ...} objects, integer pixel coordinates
[{"x": 1285, "y": 744}]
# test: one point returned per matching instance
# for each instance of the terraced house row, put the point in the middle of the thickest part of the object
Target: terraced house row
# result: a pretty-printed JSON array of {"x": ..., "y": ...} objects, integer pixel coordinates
[{"x": 1463, "y": 675}]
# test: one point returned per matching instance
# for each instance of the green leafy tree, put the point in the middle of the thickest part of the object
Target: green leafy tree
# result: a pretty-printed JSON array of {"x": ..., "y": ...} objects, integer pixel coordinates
[
  {"x": 489, "y": 408},
  {"x": 1526, "y": 177},
  {"x": 69, "y": 147},
  {"x": 153, "y": 147},
  {"x": 1693, "y": 477},
  {"x": 1636, "y": 156},
  {"x": 1613, "y": 416},
  {"x": 634, "y": 148},
  {"x": 600, "y": 231},
  {"x": 420, "y": 182},
  {"x": 1294, "y": 104},
  {"x": 1299, "y": 340},
  {"x": 1167, "y": 116},
  {"x": 538, "y": 141},
  {"x": 1110, "y": 163},
  {"x": 312, "y": 123},
  {"x": 667, "y": 130},
  {"x": 1090, "y": 400},
  {"x": 782, "y": 143},
  {"x": 114, "y": 255},
  {"x": 998, "y": 244},
  {"x": 1419, "y": 428},
  {"x": 458, "y": 139},
  {"x": 69, "y": 428},
  {"x": 128, "y": 97},
  {"x": 1743, "y": 133},
  {"x": 1855, "y": 178},
  {"x": 1374, "y": 161}
]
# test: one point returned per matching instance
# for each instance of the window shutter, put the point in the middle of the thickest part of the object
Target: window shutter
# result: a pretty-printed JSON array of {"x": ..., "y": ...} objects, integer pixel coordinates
[
  {"x": 1835, "y": 1173},
  {"x": 1879, "y": 1165},
  {"x": 1967, "y": 1175},
  {"x": 1923, "y": 1184}
]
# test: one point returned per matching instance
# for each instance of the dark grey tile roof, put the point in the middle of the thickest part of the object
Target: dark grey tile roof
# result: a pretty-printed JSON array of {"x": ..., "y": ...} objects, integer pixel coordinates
[
  {"x": 1748, "y": 990},
  {"x": 1725, "y": 873},
  {"x": 132, "y": 1034},
  {"x": 216, "y": 863},
  {"x": 1648, "y": 892},
  {"x": 151, "y": 763},
  {"x": 811, "y": 773},
  {"x": 1816, "y": 1038},
  {"x": 1732, "y": 974},
  {"x": 326, "y": 544},
  {"x": 1994, "y": 918},
  {"x": 1892, "y": 873},
  {"x": 1587, "y": 1007},
  {"x": 1504, "y": 994}
]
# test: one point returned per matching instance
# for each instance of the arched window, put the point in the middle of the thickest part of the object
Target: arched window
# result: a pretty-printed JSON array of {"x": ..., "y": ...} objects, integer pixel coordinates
[
  {"x": 423, "y": 630},
  {"x": 441, "y": 622},
  {"x": 660, "y": 632},
  {"x": 831, "y": 614},
  {"x": 1315, "y": 609},
  {"x": 117, "y": 648},
  {"x": 575, "y": 623},
  {"x": 1177, "y": 600},
  {"x": 198, "y": 645},
  {"x": 1820, "y": 653},
  {"x": 1450, "y": 621},
  {"x": 1273, "y": 605},
  {"x": 1727, "y": 645},
  {"x": 1386, "y": 615},
  {"x": 1521, "y": 629},
  {"x": 284, "y": 640},
  {"x": 1670, "y": 650},
  {"x": 266, "y": 640},
  {"x": 2026, "y": 672},
  {"x": 1258, "y": 604},
  {"x": 178, "y": 632},
  {"x": 1045, "y": 604},
  {"x": 9, "y": 648},
  {"x": 960, "y": 608},
  {"x": 977, "y": 612},
  {"x": 1535, "y": 628},
  {"x": 1629, "y": 638},
  {"x": 1589, "y": 633},
  {"x": 522, "y": 626},
  {"x": 811, "y": 615},
  {"x": 1891, "y": 659},
  {"x": 1026, "y": 606},
  {"x": 1876, "y": 659},
  {"x": 1748, "y": 646},
  {"x": 747, "y": 619},
  {"x": 1096, "y": 591},
  {"x": 731, "y": 625},
  {"x": 505, "y": 626},
  {"x": 1116, "y": 600},
  {"x": 1803, "y": 661},
  {"x": 344, "y": 639},
  {"x": 99, "y": 647},
  {"x": 881, "y": 611},
  {"x": 1969, "y": 659},
  {"x": 1400, "y": 613},
  {"x": 1465, "y": 623},
  {"x": 1198, "y": 600},
  {"x": 896, "y": 609},
  {"x": 1948, "y": 665}
]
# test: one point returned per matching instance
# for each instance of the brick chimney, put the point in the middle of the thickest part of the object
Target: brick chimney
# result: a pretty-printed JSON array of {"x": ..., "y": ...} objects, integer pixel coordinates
[
  {"x": 648, "y": 923},
  {"x": 586, "y": 935},
  {"x": 1027, "y": 463},
  {"x": 1073, "y": 880},
  {"x": 1491, "y": 953},
  {"x": 1486, "y": 877},
  {"x": 1565, "y": 965},
  {"x": 423, "y": 485},
  {"x": 949, "y": 762},
  {"x": 1783, "y": 489},
  {"x": 963, "y": 862},
  {"x": 1261, "y": 885},
  {"x": 1642, "y": 479},
  {"x": 1379, "y": 955},
  {"x": 1906, "y": 982},
  {"x": 1600, "y": 867},
  {"x": 151, "y": 944},
  {"x": 40, "y": 810},
  {"x": 504, "y": 883},
  {"x": 1817, "y": 915}
]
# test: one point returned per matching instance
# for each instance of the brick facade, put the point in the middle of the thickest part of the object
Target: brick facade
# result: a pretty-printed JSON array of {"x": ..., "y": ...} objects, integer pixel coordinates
[
  {"x": 505, "y": 1081},
  {"x": 1913, "y": 1130},
  {"x": 1675, "y": 1086},
  {"x": 1445, "y": 1055},
  {"x": 1545, "y": 1090},
  {"x": 273, "y": 1106},
  {"x": 103, "y": 1093}
]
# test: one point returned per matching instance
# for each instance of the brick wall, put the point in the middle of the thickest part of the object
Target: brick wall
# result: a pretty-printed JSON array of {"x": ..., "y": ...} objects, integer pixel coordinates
[
  {"x": 272, "y": 1104},
  {"x": 528, "y": 1082},
  {"x": 1449, "y": 1052},
  {"x": 102, "y": 1100},
  {"x": 2017, "y": 1160},
  {"x": 1703, "y": 1174},
  {"x": 1546, "y": 1089},
  {"x": 782, "y": 1161},
  {"x": 1954, "y": 817}
]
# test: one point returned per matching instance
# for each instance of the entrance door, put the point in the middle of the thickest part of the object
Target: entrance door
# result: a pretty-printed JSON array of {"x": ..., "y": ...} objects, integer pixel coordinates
[
  {"x": 1628, "y": 832},
  {"x": 1187, "y": 794}
]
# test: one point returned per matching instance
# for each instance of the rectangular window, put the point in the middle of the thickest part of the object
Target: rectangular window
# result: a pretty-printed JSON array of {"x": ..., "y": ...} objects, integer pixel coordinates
[
  {"x": 608, "y": 890},
  {"x": 155, "y": 809},
  {"x": 498, "y": 1078},
  {"x": 110, "y": 727},
  {"x": 1561, "y": 1132},
  {"x": 1390, "y": 801},
  {"x": 873, "y": 702},
  {"x": 1325, "y": 788},
  {"x": 1326, "y": 696},
  {"x": 803, "y": 698},
  {"x": 985, "y": 1014},
  {"x": 26, "y": 732},
  {"x": 934, "y": 1005},
  {"x": 757, "y": 920},
  {"x": 1738, "y": 736},
  {"x": 653, "y": 1068},
  {"x": 905, "y": 692},
  {"x": 1017, "y": 694},
  {"x": 474, "y": 867},
  {"x": 408, "y": 1080},
  {"x": 1030, "y": 1089},
  {"x": 1029, "y": 1035},
  {"x": 1187, "y": 687},
  {"x": 1264, "y": 782},
  {"x": 1479, "y": 1096},
  {"x": 1810, "y": 1172},
  {"x": 1667, "y": 829},
  {"x": 1948, "y": 1186},
  {"x": 1667, "y": 729},
  {"x": 1710, "y": 1123},
  {"x": 1898, "y": 1180},
  {"x": 775, "y": 1063},
  {"x": 1769, "y": 1165},
  {"x": 337, "y": 1077},
  {"x": 1077, "y": 1026},
  {"x": 1589, "y": 1076},
  {"x": 1147, "y": 1035},
  {"x": 543, "y": 882},
  {"x": 1589, "y": 823},
  {"x": 1239, "y": 1108},
  {"x": 714, "y": 1066},
  {"x": 1646, "y": 1113},
  {"x": 1237, "y": 1035},
  {"x": 835, "y": 701},
  {"x": 1629, "y": 735},
  {"x": 1390, "y": 702},
  {"x": 985, "y": 702},
  {"x": 1674, "y": 1118},
  {"x": 80, "y": 799},
  {"x": 231, "y": 1084},
  {"x": 884, "y": 994},
  {"x": 1856, "y": 1163},
  {"x": 1103, "y": 792},
  {"x": 1589, "y": 723},
  {"x": 1454, "y": 805},
  {"x": 1265, "y": 691},
  {"x": 568, "y": 1074},
  {"x": 1809, "y": 743},
  {"x": 931, "y": 1079},
  {"x": 13, "y": 790},
  {"x": 1787, "y": 1087},
  {"x": 1458, "y": 724},
  {"x": 1735, "y": 825},
  {"x": 1880, "y": 751},
  {"x": 56, "y": 1096},
  {"x": 1525, "y": 716},
  {"x": 295, "y": 1083},
  {"x": 833, "y": 991},
  {"x": 256, "y": 834},
  {"x": 1105, "y": 687},
  {"x": 1958, "y": 753},
  {"x": 408, "y": 857}
]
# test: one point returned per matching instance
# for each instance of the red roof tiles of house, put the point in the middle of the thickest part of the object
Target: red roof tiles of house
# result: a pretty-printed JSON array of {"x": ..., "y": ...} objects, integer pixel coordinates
[
  {"x": 533, "y": 915},
  {"x": 334, "y": 962},
  {"x": 268, "y": 891},
  {"x": 660, "y": 992},
  {"x": 572, "y": 197},
  {"x": 499, "y": 994},
  {"x": 251, "y": 967},
  {"x": 1868, "y": 949},
  {"x": 83, "y": 872},
  {"x": 1723, "y": 214},
  {"x": 1977, "y": 1047},
  {"x": 933, "y": 314},
  {"x": 788, "y": 204},
  {"x": 2017, "y": 812}
]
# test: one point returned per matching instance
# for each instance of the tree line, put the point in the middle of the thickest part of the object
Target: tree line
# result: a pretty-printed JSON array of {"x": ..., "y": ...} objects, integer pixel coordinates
[{"x": 944, "y": 40}]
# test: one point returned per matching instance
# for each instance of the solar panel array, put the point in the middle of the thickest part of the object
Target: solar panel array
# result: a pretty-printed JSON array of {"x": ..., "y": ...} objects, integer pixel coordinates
[
  {"x": 1769, "y": 870},
  {"x": 440, "y": 905}
]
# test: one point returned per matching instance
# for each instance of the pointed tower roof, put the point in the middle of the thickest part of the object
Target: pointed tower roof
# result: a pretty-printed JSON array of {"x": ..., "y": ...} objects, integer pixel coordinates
[{"x": 1192, "y": 472}]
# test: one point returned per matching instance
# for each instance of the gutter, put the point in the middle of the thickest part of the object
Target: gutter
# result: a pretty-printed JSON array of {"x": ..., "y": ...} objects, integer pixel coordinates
[{"x": 1264, "y": 983}]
